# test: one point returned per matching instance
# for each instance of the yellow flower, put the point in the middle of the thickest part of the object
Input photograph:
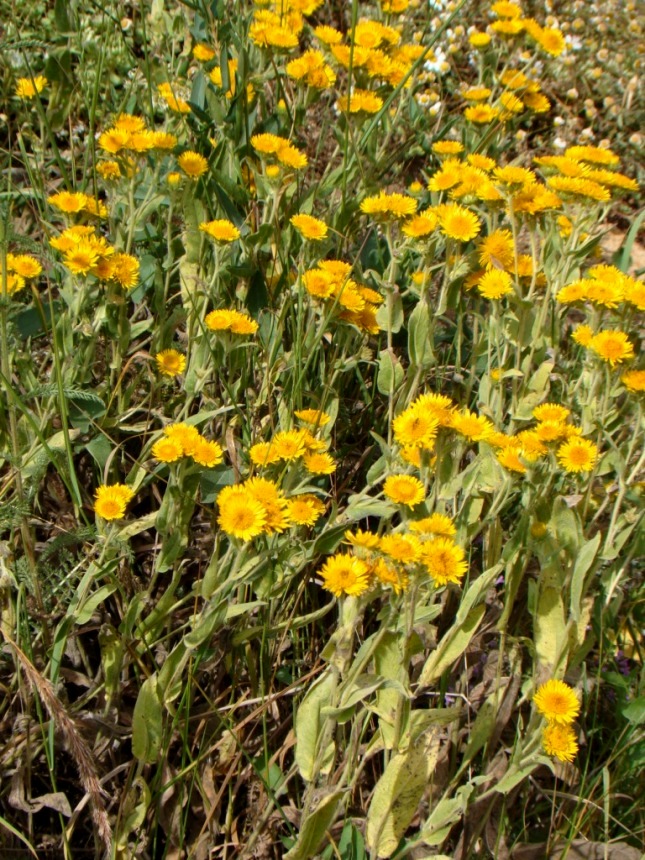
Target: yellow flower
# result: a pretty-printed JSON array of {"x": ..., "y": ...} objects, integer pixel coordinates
[
  {"x": 538, "y": 529},
  {"x": 221, "y": 230},
  {"x": 551, "y": 41},
  {"x": 497, "y": 249},
  {"x": 551, "y": 412},
  {"x": 309, "y": 227},
  {"x": 125, "y": 270},
  {"x": 401, "y": 548},
  {"x": 560, "y": 741},
  {"x": 634, "y": 380},
  {"x": 385, "y": 206},
  {"x": 240, "y": 515},
  {"x": 592, "y": 154},
  {"x": 612, "y": 346},
  {"x": 444, "y": 560},
  {"x": 24, "y": 265},
  {"x": 439, "y": 406},
  {"x": 415, "y": 426},
  {"x": 577, "y": 455},
  {"x": 472, "y": 426},
  {"x": 476, "y": 94},
  {"x": 481, "y": 114},
  {"x": 170, "y": 362},
  {"x": 509, "y": 458},
  {"x": 109, "y": 170},
  {"x": 506, "y": 9},
  {"x": 203, "y": 53},
  {"x": 114, "y": 140},
  {"x": 167, "y": 450},
  {"x": 359, "y": 101},
  {"x": 579, "y": 187},
  {"x": 313, "y": 416},
  {"x": 111, "y": 501},
  {"x": 319, "y": 463},
  {"x": 305, "y": 509},
  {"x": 458, "y": 223},
  {"x": 206, "y": 453},
  {"x": 185, "y": 434},
  {"x": 292, "y": 157},
  {"x": 421, "y": 225},
  {"x": 68, "y": 201},
  {"x": 174, "y": 103},
  {"x": 344, "y": 574},
  {"x": 81, "y": 258},
  {"x": 193, "y": 164},
  {"x": 435, "y": 524},
  {"x": 583, "y": 334},
  {"x": 27, "y": 88},
  {"x": 163, "y": 140},
  {"x": 494, "y": 284},
  {"x": 479, "y": 40},
  {"x": 447, "y": 147},
  {"x": 366, "y": 540},
  {"x": 557, "y": 702},
  {"x": 328, "y": 35},
  {"x": 404, "y": 490},
  {"x": 268, "y": 144}
]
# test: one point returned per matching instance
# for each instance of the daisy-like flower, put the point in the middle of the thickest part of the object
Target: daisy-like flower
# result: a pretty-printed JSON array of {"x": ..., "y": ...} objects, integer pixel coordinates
[
  {"x": 560, "y": 741},
  {"x": 475, "y": 427},
  {"x": 81, "y": 258},
  {"x": 612, "y": 346},
  {"x": 111, "y": 501},
  {"x": 170, "y": 362},
  {"x": 24, "y": 265},
  {"x": 444, "y": 560},
  {"x": 68, "y": 201},
  {"x": 634, "y": 380},
  {"x": 305, "y": 510},
  {"x": 401, "y": 548},
  {"x": 557, "y": 702},
  {"x": 240, "y": 515},
  {"x": 390, "y": 576},
  {"x": 167, "y": 450},
  {"x": 316, "y": 417},
  {"x": 447, "y": 147},
  {"x": 319, "y": 463},
  {"x": 509, "y": 458},
  {"x": 481, "y": 114},
  {"x": 109, "y": 170},
  {"x": 415, "y": 426},
  {"x": 577, "y": 455},
  {"x": 551, "y": 412},
  {"x": 386, "y": 206},
  {"x": 309, "y": 227},
  {"x": 479, "y": 40},
  {"x": 291, "y": 156},
  {"x": 421, "y": 225},
  {"x": 583, "y": 335},
  {"x": 221, "y": 230},
  {"x": 185, "y": 434},
  {"x": 497, "y": 250},
  {"x": 435, "y": 524},
  {"x": 125, "y": 270},
  {"x": 495, "y": 284},
  {"x": 404, "y": 490},
  {"x": 207, "y": 453},
  {"x": 27, "y": 88},
  {"x": 360, "y": 101},
  {"x": 193, "y": 164},
  {"x": 458, "y": 223},
  {"x": 344, "y": 574}
]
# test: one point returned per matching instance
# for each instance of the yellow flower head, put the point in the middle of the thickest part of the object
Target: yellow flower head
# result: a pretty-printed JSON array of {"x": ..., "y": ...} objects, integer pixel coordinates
[
  {"x": 316, "y": 417},
  {"x": 305, "y": 510},
  {"x": 551, "y": 412},
  {"x": 206, "y": 452},
  {"x": 24, "y": 265},
  {"x": 560, "y": 741},
  {"x": 415, "y": 426},
  {"x": 309, "y": 227},
  {"x": 240, "y": 515},
  {"x": 167, "y": 450},
  {"x": 557, "y": 702},
  {"x": 494, "y": 284},
  {"x": 27, "y": 88},
  {"x": 634, "y": 380},
  {"x": 170, "y": 362},
  {"x": 319, "y": 463},
  {"x": 185, "y": 434},
  {"x": 193, "y": 164},
  {"x": 612, "y": 346},
  {"x": 577, "y": 455},
  {"x": 345, "y": 575},
  {"x": 404, "y": 490},
  {"x": 111, "y": 501},
  {"x": 475, "y": 427},
  {"x": 221, "y": 230},
  {"x": 457, "y": 222},
  {"x": 444, "y": 560},
  {"x": 386, "y": 206},
  {"x": 435, "y": 524},
  {"x": 125, "y": 270}
]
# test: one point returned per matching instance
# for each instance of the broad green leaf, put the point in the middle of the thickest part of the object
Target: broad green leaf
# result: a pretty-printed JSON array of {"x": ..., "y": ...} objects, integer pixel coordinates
[
  {"x": 550, "y": 626},
  {"x": 451, "y": 647},
  {"x": 314, "y": 826},
  {"x": 419, "y": 341},
  {"x": 147, "y": 722},
  {"x": 635, "y": 710},
  {"x": 445, "y": 814},
  {"x": 584, "y": 561},
  {"x": 309, "y": 726},
  {"x": 83, "y": 614},
  {"x": 390, "y": 372},
  {"x": 135, "y": 806},
  {"x": 397, "y": 795}
]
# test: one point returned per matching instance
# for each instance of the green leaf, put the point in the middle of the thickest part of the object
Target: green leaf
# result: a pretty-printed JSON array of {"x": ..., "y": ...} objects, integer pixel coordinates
[
  {"x": 635, "y": 711},
  {"x": 147, "y": 722},
  {"x": 309, "y": 726},
  {"x": 390, "y": 372},
  {"x": 397, "y": 795},
  {"x": 419, "y": 337},
  {"x": 584, "y": 561},
  {"x": 83, "y": 614},
  {"x": 451, "y": 647},
  {"x": 314, "y": 826},
  {"x": 550, "y": 626},
  {"x": 445, "y": 814}
]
